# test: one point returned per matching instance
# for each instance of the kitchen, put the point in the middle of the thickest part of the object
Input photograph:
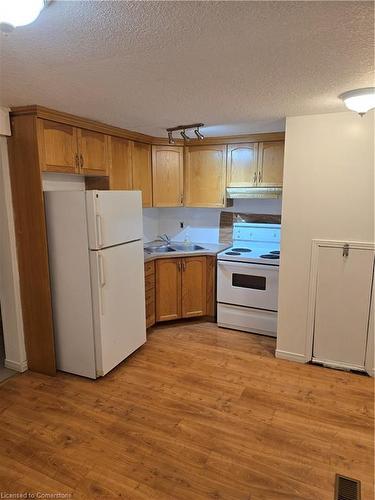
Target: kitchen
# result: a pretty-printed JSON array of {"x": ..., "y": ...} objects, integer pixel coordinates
[{"x": 187, "y": 262}]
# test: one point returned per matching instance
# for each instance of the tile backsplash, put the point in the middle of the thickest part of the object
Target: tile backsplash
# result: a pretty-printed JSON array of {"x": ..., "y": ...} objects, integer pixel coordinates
[{"x": 200, "y": 225}]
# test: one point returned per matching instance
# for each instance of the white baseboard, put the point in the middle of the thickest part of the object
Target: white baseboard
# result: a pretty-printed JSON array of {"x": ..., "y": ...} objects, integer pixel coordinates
[
  {"x": 18, "y": 366},
  {"x": 371, "y": 372},
  {"x": 291, "y": 356}
]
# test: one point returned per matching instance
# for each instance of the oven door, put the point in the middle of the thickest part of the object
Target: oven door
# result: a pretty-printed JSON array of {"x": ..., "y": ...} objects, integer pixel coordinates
[{"x": 247, "y": 284}]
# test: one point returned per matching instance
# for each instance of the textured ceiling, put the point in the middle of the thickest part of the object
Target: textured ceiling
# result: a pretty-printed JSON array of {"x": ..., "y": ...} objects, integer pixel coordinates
[{"x": 236, "y": 66}]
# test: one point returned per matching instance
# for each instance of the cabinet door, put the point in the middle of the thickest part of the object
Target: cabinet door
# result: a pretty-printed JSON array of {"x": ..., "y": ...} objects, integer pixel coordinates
[
  {"x": 342, "y": 304},
  {"x": 168, "y": 289},
  {"x": 271, "y": 163},
  {"x": 121, "y": 176},
  {"x": 194, "y": 286},
  {"x": 167, "y": 176},
  {"x": 150, "y": 293},
  {"x": 242, "y": 163},
  {"x": 141, "y": 166},
  {"x": 93, "y": 152},
  {"x": 57, "y": 145},
  {"x": 205, "y": 176}
]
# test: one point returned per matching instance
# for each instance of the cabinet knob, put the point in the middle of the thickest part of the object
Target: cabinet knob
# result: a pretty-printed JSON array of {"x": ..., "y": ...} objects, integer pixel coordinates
[{"x": 81, "y": 160}]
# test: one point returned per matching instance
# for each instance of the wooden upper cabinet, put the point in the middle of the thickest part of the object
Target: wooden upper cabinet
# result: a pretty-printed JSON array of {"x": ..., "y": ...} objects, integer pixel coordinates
[
  {"x": 194, "y": 286},
  {"x": 58, "y": 148},
  {"x": 94, "y": 152},
  {"x": 121, "y": 174},
  {"x": 271, "y": 163},
  {"x": 167, "y": 176},
  {"x": 205, "y": 176},
  {"x": 142, "y": 176},
  {"x": 242, "y": 164},
  {"x": 67, "y": 149},
  {"x": 168, "y": 289}
]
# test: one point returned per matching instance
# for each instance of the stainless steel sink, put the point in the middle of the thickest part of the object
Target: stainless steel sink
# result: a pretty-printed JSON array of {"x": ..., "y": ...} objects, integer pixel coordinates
[
  {"x": 186, "y": 247},
  {"x": 173, "y": 247},
  {"x": 159, "y": 249}
]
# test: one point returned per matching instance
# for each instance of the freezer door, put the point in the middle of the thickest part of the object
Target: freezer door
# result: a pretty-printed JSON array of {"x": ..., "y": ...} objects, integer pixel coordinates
[
  {"x": 117, "y": 275},
  {"x": 113, "y": 217}
]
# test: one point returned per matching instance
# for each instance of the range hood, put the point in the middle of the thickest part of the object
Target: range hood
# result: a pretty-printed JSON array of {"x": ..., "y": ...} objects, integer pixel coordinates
[{"x": 254, "y": 192}]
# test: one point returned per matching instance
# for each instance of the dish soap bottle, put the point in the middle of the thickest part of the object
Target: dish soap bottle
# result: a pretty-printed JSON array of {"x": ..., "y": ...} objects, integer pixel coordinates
[{"x": 187, "y": 241}]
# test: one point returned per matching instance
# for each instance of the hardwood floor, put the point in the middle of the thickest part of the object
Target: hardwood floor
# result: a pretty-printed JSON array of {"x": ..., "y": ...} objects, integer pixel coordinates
[{"x": 198, "y": 412}]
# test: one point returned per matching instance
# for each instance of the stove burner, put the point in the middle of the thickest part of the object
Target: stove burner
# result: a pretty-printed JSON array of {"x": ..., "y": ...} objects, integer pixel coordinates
[
  {"x": 241, "y": 250},
  {"x": 275, "y": 252},
  {"x": 269, "y": 256},
  {"x": 232, "y": 253}
]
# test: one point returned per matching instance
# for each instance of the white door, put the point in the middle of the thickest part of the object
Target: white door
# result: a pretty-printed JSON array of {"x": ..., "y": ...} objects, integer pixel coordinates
[
  {"x": 113, "y": 217},
  {"x": 247, "y": 284},
  {"x": 117, "y": 275},
  {"x": 342, "y": 306}
]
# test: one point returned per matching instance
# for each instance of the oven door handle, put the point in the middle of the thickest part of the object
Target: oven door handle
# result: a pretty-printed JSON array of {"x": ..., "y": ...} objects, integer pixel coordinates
[{"x": 247, "y": 265}]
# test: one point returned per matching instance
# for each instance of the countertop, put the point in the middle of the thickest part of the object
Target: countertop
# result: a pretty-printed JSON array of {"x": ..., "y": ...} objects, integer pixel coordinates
[{"x": 208, "y": 249}]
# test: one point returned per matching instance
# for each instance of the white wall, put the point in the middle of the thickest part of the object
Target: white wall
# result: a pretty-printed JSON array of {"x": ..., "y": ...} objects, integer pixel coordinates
[
  {"x": 150, "y": 224},
  {"x": 201, "y": 225},
  {"x": 9, "y": 278},
  {"x": 328, "y": 193}
]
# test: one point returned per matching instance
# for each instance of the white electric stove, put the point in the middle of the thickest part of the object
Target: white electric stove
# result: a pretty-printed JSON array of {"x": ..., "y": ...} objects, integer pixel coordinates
[{"x": 247, "y": 279}]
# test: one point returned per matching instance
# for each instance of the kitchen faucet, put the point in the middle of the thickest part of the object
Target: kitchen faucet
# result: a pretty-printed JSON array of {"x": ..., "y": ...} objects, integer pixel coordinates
[{"x": 164, "y": 237}]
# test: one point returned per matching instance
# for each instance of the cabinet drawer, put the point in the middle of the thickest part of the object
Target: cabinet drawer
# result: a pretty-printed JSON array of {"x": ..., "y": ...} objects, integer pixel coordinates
[
  {"x": 150, "y": 297},
  {"x": 150, "y": 320},
  {"x": 149, "y": 268},
  {"x": 150, "y": 308},
  {"x": 150, "y": 282}
]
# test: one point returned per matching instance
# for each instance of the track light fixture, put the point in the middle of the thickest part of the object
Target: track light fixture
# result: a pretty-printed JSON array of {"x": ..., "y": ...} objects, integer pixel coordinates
[
  {"x": 184, "y": 135},
  {"x": 183, "y": 129},
  {"x": 170, "y": 138},
  {"x": 198, "y": 134}
]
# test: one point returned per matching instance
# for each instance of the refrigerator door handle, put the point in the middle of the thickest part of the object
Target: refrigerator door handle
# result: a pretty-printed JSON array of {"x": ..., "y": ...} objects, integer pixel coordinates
[
  {"x": 101, "y": 270},
  {"x": 99, "y": 230},
  {"x": 101, "y": 281}
]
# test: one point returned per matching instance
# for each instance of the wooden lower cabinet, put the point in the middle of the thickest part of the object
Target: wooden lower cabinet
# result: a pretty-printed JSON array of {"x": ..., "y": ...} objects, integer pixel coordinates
[
  {"x": 184, "y": 287},
  {"x": 168, "y": 289},
  {"x": 150, "y": 293},
  {"x": 193, "y": 287}
]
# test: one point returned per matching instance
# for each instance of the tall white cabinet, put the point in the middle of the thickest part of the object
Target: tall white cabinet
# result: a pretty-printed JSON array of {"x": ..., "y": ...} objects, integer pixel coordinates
[{"x": 341, "y": 298}]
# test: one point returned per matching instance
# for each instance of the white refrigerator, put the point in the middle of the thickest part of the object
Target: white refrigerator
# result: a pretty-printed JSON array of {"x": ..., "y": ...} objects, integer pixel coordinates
[{"x": 97, "y": 278}]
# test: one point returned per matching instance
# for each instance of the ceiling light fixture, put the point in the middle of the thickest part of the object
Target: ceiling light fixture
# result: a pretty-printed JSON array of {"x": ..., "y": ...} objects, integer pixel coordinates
[
  {"x": 198, "y": 134},
  {"x": 185, "y": 136},
  {"x": 170, "y": 138},
  {"x": 359, "y": 100},
  {"x": 15, "y": 13},
  {"x": 182, "y": 129}
]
